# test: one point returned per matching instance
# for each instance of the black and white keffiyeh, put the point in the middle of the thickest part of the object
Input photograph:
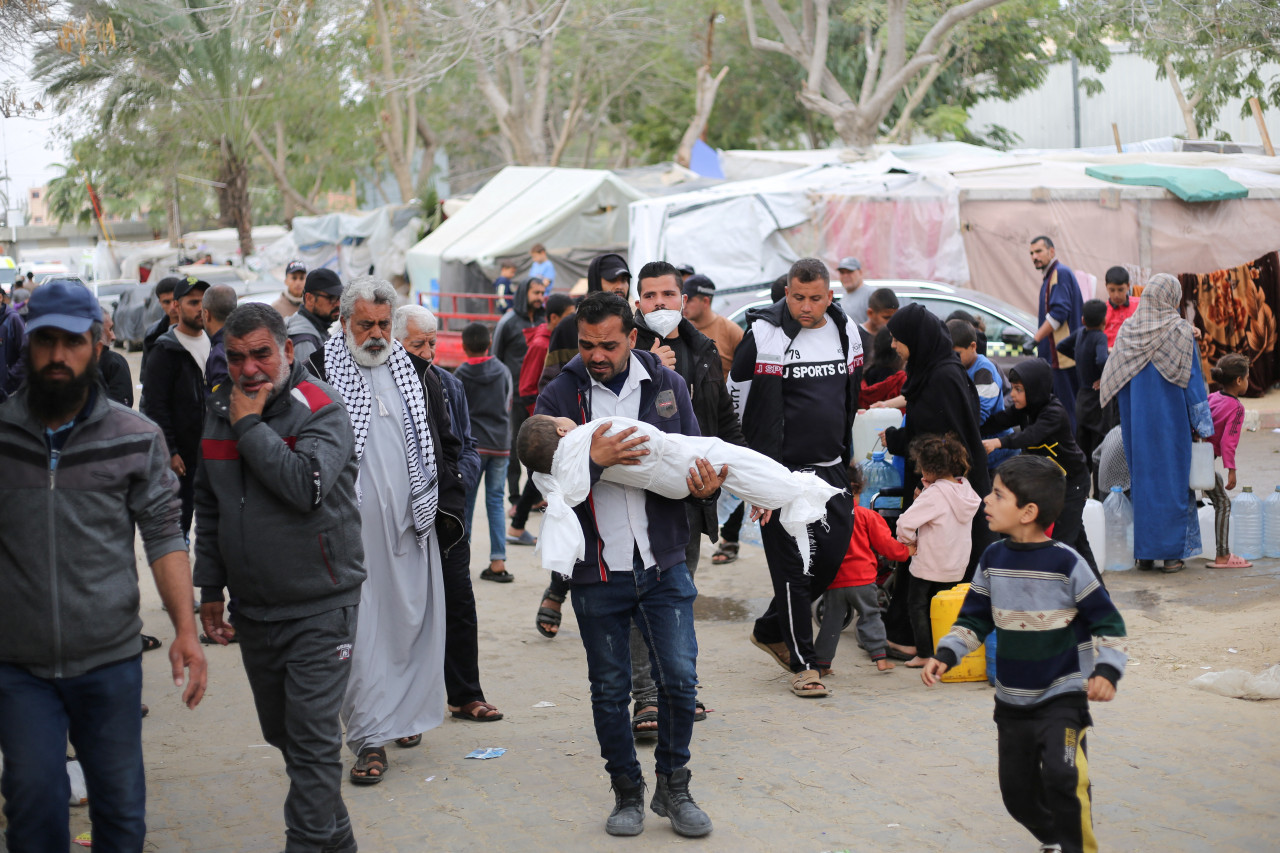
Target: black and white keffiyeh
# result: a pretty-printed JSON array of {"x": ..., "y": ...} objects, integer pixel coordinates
[{"x": 344, "y": 375}]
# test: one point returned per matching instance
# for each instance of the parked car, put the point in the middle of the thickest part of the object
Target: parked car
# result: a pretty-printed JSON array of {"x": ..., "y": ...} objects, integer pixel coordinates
[
  {"x": 136, "y": 310},
  {"x": 1008, "y": 329},
  {"x": 109, "y": 291}
]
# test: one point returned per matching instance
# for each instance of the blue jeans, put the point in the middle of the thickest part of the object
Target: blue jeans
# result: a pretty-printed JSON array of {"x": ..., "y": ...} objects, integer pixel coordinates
[
  {"x": 101, "y": 712},
  {"x": 493, "y": 470},
  {"x": 661, "y": 604}
]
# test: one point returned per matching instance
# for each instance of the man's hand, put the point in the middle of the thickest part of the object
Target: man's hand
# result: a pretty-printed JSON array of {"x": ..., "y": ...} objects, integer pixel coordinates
[
  {"x": 1101, "y": 689},
  {"x": 762, "y": 515},
  {"x": 185, "y": 653},
  {"x": 617, "y": 449},
  {"x": 991, "y": 445},
  {"x": 215, "y": 627},
  {"x": 703, "y": 479},
  {"x": 932, "y": 670},
  {"x": 664, "y": 353},
  {"x": 242, "y": 404},
  {"x": 1231, "y": 479},
  {"x": 179, "y": 467}
]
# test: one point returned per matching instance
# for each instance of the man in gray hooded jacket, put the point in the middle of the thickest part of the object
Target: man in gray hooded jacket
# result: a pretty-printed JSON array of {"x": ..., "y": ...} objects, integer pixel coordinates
[{"x": 277, "y": 524}]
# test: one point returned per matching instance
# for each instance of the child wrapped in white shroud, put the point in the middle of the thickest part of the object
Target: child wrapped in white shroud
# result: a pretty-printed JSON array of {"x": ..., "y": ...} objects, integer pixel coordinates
[{"x": 799, "y": 497}]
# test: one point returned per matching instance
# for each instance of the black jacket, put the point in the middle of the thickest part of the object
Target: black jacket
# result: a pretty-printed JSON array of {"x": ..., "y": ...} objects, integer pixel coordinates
[
  {"x": 175, "y": 396},
  {"x": 452, "y": 492},
  {"x": 158, "y": 328},
  {"x": 215, "y": 367},
  {"x": 941, "y": 398},
  {"x": 757, "y": 377},
  {"x": 711, "y": 404},
  {"x": 114, "y": 370},
  {"x": 1044, "y": 428},
  {"x": 564, "y": 337},
  {"x": 509, "y": 341}
]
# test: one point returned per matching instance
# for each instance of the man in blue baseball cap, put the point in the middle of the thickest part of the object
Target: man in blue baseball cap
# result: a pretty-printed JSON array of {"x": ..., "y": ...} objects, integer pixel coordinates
[{"x": 89, "y": 471}]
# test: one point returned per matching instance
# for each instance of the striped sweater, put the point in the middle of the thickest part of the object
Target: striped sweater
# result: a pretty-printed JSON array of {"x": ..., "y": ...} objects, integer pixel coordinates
[{"x": 1051, "y": 615}]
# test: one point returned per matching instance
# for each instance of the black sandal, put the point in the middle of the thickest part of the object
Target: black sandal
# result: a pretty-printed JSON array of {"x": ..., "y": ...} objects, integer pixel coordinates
[
  {"x": 699, "y": 711},
  {"x": 1172, "y": 566},
  {"x": 726, "y": 552},
  {"x": 549, "y": 617},
  {"x": 150, "y": 643},
  {"x": 369, "y": 759},
  {"x": 503, "y": 576},
  {"x": 644, "y": 717}
]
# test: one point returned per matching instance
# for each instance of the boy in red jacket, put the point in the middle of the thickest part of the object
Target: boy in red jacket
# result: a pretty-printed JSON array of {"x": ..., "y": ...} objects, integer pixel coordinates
[{"x": 854, "y": 587}]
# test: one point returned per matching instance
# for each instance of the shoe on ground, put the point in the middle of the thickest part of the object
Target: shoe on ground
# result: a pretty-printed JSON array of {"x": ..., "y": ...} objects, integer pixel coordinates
[
  {"x": 627, "y": 817},
  {"x": 525, "y": 538},
  {"x": 671, "y": 800}
]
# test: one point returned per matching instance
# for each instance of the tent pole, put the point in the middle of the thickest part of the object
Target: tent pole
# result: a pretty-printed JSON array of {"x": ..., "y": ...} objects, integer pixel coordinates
[{"x": 1262, "y": 127}]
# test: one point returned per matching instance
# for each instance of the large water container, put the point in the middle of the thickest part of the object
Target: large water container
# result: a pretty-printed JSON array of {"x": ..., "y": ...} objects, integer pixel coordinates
[
  {"x": 1246, "y": 524},
  {"x": 1271, "y": 524},
  {"x": 1119, "y": 521},
  {"x": 943, "y": 611},
  {"x": 877, "y": 475},
  {"x": 1094, "y": 529},
  {"x": 1208, "y": 540},
  {"x": 867, "y": 427}
]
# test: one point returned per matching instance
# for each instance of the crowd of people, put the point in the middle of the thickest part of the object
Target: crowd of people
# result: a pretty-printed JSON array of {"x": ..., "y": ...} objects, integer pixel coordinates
[{"x": 331, "y": 469}]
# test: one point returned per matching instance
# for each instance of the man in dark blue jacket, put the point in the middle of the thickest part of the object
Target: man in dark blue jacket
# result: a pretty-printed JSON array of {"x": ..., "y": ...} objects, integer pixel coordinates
[{"x": 634, "y": 568}]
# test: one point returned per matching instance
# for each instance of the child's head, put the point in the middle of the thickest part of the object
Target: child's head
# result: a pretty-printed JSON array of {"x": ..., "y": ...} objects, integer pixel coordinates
[
  {"x": 475, "y": 340},
  {"x": 881, "y": 305},
  {"x": 1232, "y": 373},
  {"x": 882, "y": 352},
  {"x": 856, "y": 480},
  {"x": 939, "y": 457},
  {"x": 538, "y": 252},
  {"x": 1095, "y": 314},
  {"x": 538, "y": 439},
  {"x": 508, "y": 269},
  {"x": 1027, "y": 495},
  {"x": 964, "y": 340},
  {"x": 1117, "y": 286}
]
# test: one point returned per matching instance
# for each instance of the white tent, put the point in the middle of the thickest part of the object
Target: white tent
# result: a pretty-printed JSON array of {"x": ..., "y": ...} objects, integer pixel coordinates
[
  {"x": 347, "y": 243},
  {"x": 573, "y": 212}
]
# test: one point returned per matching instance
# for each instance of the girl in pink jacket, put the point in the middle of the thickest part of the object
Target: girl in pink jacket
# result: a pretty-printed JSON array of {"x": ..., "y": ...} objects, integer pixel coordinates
[{"x": 936, "y": 530}]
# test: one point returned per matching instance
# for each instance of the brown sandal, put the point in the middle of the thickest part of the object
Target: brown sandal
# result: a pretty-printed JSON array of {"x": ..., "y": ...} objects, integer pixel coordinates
[
  {"x": 477, "y": 712},
  {"x": 778, "y": 651},
  {"x": 800, "y": 685}
]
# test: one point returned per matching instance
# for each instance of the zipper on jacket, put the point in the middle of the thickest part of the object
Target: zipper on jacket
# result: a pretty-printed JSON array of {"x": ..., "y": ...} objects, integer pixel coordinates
[{"x": 53, "y": 565}]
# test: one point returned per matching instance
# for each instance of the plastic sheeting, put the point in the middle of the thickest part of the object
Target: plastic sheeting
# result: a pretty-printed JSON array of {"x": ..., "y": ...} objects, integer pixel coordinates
[{"x": 350, "y": 244}]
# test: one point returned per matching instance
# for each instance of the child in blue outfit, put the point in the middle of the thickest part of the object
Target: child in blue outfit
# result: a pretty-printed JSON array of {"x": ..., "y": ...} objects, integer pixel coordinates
[{"x": 1060, "y": 645}]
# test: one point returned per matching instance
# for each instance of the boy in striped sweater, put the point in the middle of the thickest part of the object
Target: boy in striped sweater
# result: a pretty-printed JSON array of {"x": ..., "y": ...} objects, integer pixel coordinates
[{"x": 1052, "y": 618}]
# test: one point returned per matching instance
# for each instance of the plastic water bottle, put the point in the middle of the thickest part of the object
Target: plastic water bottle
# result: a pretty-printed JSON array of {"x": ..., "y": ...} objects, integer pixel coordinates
[
  {"x": 877, "y": 475},
  {"x": 1271, "y": 524},
  {"x": 1118, "y": 515},
  {"x": 1246, "y": 523}
]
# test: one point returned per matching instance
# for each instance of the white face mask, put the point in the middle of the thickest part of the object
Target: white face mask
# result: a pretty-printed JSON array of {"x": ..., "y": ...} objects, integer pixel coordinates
[{"x": 662, "y": 321}]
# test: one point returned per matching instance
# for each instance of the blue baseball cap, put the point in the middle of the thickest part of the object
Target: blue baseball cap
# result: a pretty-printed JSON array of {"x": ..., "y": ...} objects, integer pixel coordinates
[{"x": 62, "y": 304}]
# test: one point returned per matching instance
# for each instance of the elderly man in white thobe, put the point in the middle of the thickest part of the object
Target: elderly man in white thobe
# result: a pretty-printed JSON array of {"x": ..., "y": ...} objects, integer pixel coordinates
[{"x": 396, "y": 689}]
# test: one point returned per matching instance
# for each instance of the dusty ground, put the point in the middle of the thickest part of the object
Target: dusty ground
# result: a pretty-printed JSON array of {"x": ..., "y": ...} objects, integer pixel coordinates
[{"x": 882, "y": 764}]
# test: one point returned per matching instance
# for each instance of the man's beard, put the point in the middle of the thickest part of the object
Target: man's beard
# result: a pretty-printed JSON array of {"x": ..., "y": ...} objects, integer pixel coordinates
[
  {"x": 55, "y": 399},
  {"x": 374, "y": 352},
  {"x": 279, "y": 382}
]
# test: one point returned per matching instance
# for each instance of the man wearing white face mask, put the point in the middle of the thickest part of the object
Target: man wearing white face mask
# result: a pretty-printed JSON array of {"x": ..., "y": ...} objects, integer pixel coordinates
[{"x": 661, "y": 328}]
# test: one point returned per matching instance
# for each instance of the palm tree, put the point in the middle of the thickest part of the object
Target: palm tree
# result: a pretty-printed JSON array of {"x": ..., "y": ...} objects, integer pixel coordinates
[{"x": 192, "y": 62}]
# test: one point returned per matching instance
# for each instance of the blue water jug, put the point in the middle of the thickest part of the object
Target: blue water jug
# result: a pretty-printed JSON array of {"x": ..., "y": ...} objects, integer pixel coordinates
[
  {"x": 877, "y": 475},
  {"x": 1271, "y": 524},
  {"x": 1246, "y": 524},
  {"x": 1117, "y": 514}
]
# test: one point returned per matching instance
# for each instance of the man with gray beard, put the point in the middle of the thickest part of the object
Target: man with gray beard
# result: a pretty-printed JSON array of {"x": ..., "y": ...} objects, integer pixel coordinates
[
  {"x": 275, "y": 507},
  {"x": 396, "y": 691}
]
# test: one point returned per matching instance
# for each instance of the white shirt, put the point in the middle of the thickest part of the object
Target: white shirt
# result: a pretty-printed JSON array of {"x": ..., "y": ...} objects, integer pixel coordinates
[
  {"x": 620, "y": 510},
  {"x": 197, "y": 345}
]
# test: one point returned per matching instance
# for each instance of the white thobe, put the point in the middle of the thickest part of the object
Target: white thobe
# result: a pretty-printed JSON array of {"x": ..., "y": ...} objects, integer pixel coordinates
[
  {"x": 620, "y": 510},
  {"x": 396, "y": 688}
]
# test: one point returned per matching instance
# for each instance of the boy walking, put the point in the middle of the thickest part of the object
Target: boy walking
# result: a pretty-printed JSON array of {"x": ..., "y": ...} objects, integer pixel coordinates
[
  {"x": 1088, "y": 346},
  {"x": 487, "y": 384},
  {"x": 1051, "y": 615}
]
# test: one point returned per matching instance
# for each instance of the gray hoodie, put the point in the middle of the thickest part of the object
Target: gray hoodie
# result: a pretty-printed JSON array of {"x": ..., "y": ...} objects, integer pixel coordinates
[
  {"x": 276, "y": 516},
  {"x": 67, "y": 564}
]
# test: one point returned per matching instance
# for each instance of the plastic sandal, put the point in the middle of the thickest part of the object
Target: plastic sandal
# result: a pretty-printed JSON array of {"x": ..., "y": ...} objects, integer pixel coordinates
[
  {"x": 525, "y": 538},
  {"x": 547, "y": 616},
  {"x": 771, "y": 649},
  {"x": 408, "y": 742},
  {"x": 643, "y": 717},
  {"x": 503, "y": 576},
  {"x": 800, "y": 685},
  {"x": 1231, "y": 561},
  {"x": 370, "y": 758},
  {"x": 468, "y": 712},
  {"x": 726, "y": 552},
  {"x": 1172, "y": 566}
]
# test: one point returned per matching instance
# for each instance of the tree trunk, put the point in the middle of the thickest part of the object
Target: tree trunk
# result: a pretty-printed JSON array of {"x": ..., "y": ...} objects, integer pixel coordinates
[
  {"x": 392, "y": 127},
  {"x": 1187, "y": 108},
  {"x": 704, "y": 101},
  {"x": 235, "y": 174},
  {"x": 275, "y": 163}
]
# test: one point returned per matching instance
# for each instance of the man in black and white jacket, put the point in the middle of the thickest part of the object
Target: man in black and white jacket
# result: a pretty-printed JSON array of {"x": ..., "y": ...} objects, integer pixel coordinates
[{"x": 794, "y": 385}]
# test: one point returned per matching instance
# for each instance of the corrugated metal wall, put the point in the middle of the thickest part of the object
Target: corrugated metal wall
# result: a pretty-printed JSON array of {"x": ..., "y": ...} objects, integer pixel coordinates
[{"x": 1143, "y": 107}]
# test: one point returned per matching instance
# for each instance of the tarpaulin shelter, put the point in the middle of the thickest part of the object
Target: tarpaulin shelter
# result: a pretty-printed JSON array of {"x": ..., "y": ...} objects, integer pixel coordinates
[
  {"x": 350, "y": 244},
  {"x": 574, "y": 213}
]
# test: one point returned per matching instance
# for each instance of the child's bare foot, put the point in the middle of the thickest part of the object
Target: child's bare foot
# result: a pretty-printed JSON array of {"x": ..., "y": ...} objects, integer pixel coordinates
[
  {"x": 916, "y": 662},
  {"x": 902, "y": 650},
  {"x": 884, "y": 664}
]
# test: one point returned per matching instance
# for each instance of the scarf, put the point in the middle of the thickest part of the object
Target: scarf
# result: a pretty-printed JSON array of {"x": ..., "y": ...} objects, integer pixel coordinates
[
  {"x": 929, "y": 344},
  {"x": 344, "y": 376},
  {"x": 1155, "y": 334}
]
